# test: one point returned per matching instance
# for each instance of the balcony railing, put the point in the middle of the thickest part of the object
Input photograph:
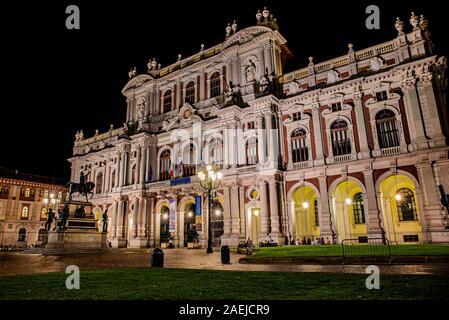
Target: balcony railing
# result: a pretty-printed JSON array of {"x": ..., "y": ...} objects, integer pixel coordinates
[
  {"x": 391, "y": 151},
  {"x": 343, "y": 158},
  {"x": 302, "y": 165}
]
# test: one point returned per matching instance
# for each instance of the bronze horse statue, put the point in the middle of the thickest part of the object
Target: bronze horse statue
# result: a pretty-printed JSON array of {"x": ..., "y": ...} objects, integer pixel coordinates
[{"x": 82, "y": 188}]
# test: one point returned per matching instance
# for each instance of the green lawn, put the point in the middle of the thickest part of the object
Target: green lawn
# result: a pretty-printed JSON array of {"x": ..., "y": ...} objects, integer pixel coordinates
[
  {"x": 335, "y": 251},
  {"x": 206, "y": 284}
]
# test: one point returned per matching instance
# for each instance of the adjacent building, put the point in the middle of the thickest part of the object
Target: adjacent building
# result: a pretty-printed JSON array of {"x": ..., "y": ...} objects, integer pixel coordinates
[
  {"x": 348, "y": 148},
  {"x": 24, "y": 201}
]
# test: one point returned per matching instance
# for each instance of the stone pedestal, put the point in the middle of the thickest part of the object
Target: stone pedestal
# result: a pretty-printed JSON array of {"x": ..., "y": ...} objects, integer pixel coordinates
[{"x": 79, "y": 235}]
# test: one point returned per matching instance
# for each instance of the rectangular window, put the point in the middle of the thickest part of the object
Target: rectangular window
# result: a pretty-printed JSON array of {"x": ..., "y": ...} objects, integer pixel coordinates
[
  {"x": 336, "y": 106},
  {"x": 381, "y": 96},
  {"x": 411, "y": 238},
  {"x": 296, "y": 116},
  {"x": 251, "y": 125}
]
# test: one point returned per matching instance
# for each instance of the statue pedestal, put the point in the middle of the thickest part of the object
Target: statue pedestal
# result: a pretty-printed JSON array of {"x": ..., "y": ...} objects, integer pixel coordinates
[{"x": 79, "y": 235}]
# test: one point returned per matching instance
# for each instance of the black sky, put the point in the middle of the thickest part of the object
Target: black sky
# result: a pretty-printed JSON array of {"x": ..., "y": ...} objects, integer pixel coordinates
[{"x": 57, "y": 81}]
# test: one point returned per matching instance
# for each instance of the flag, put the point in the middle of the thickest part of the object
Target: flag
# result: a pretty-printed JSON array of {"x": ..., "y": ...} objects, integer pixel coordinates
[{"x": 171, "y": 171}]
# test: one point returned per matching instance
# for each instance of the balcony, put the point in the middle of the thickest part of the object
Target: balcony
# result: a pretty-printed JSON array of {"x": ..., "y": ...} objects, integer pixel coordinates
[
  {"x": 344, "y": 158},
  {"x": 391, "y": 151},
  {"x": 302, "y": 165}
]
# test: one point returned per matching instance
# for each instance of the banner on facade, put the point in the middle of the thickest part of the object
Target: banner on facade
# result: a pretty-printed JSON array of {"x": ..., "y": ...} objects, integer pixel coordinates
[
  {"x": 172, "y": 216},
  {"x": 198, "y": 214}
]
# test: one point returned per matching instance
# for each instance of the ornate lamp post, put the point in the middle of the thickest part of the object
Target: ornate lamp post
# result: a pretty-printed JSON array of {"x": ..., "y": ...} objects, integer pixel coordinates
[{"x": 209, "y": 179}]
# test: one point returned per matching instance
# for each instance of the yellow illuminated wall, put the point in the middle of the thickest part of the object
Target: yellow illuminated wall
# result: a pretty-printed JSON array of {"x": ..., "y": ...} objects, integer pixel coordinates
[
  {"x": 394, "y": 228},
  {"x": 304, "y": 213},
  {"x": 344, "y": 211}
]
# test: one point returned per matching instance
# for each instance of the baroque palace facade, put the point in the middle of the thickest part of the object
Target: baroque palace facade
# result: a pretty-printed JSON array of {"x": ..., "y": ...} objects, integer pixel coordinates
[{"x": 349, "y": 148}]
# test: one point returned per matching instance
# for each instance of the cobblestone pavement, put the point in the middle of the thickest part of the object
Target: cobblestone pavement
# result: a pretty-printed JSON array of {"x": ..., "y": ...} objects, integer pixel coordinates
[{"x": 20, "y": 264}]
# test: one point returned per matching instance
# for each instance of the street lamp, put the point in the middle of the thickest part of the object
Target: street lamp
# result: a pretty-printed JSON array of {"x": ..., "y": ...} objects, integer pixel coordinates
[{"x": 209, "y": 178}]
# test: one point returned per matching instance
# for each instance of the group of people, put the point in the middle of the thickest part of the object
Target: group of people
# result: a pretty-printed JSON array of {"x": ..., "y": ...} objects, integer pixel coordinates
[
  {"x": 246, "y": 246},
  {"x": 308, "y": 241}
]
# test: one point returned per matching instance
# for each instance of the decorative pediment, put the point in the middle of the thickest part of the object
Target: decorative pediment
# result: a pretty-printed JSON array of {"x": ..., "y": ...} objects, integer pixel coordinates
[
  {"x": 245, "y": 35},
  {"x": 137, "y": 81}
]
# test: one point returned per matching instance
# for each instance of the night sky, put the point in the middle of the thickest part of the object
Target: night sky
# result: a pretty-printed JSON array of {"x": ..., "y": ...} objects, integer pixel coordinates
[{"x": 59, "y": 81}]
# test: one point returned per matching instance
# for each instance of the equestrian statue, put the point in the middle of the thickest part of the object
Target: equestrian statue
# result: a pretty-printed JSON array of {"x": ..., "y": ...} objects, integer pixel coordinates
[{"x": 84, "y": 187}]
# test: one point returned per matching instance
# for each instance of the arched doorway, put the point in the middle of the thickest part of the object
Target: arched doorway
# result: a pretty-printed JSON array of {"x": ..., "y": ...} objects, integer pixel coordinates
[
  {"x": 400, "y": 210},
  {"x": 164, "y": 230},
  {"x": 216, "y": 221},
  {"x": 305, "y": 214},
  {"x": 189, "y": 221},
  {"x": 22, "y": 238},
  {"x": 348, "y": 202}
]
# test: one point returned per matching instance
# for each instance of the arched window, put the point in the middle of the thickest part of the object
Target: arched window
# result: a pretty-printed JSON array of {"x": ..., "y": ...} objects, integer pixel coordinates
[
  {"x": 215, "y": 85},
  {"x": 44, "y": 213},
  {"x": 300, "y": 151},
  {"x": 387, "y": 129},
  {"x": 358, "y": 208},
  {"x": 22, "y": 235},
  {"x": 251, "y": 151},
  {"x": 406, "y": 205},
  {"x": 25, "y": 212},
  {"x": 167, "y": 101},
  {"x": 188, "y": 161},
  {"x": 164, "y": 165},
  {"x": 99, "y": 183},
  {"x": 27, "y": 193},
  {"x": 341, "y": 143},
  {"x": 190, "y": 92},
  {"x": 216, "y": 152}
]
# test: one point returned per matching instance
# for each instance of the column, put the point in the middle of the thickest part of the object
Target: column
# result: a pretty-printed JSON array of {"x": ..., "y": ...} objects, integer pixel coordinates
[
  {"x": 433, "y": 223},
  {"x": 114, "y": 219},
  {"x": 412, "y": 110},
  {"x": 120, "y": 219},
  {"x": 325, "y": 214},
  {"x": 269, "y": 152},
  {"x": 319, "y": 147},
  {"x": 138, "y": 163},
  {"x": 143, "y": 162},
  {"x": 260, "y": 139},
  {"x": 106, "y": 177},
  {"x": 274, "y": 210},
  {"x": 118, "y": 173},
  {"x": 226, "y": 212},
  {"x": 136, "y": 220},
  {"x": 361, "y": 126},
  {"x": 268, "y": 58},
  {"x": 264, "y": 223},
  {"x": 235, "y": 217},
  {"x": 373, "y": 219},
  {"x": 226, "y": 162},
  {"x": 151, "y": 227},
  {"x": 243, "y": 214},
  {"x": 430, "y": 112}
]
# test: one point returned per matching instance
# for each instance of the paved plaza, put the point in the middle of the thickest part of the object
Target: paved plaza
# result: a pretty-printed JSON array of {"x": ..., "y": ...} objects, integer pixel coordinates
[{"x": 12, "y": 264}]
